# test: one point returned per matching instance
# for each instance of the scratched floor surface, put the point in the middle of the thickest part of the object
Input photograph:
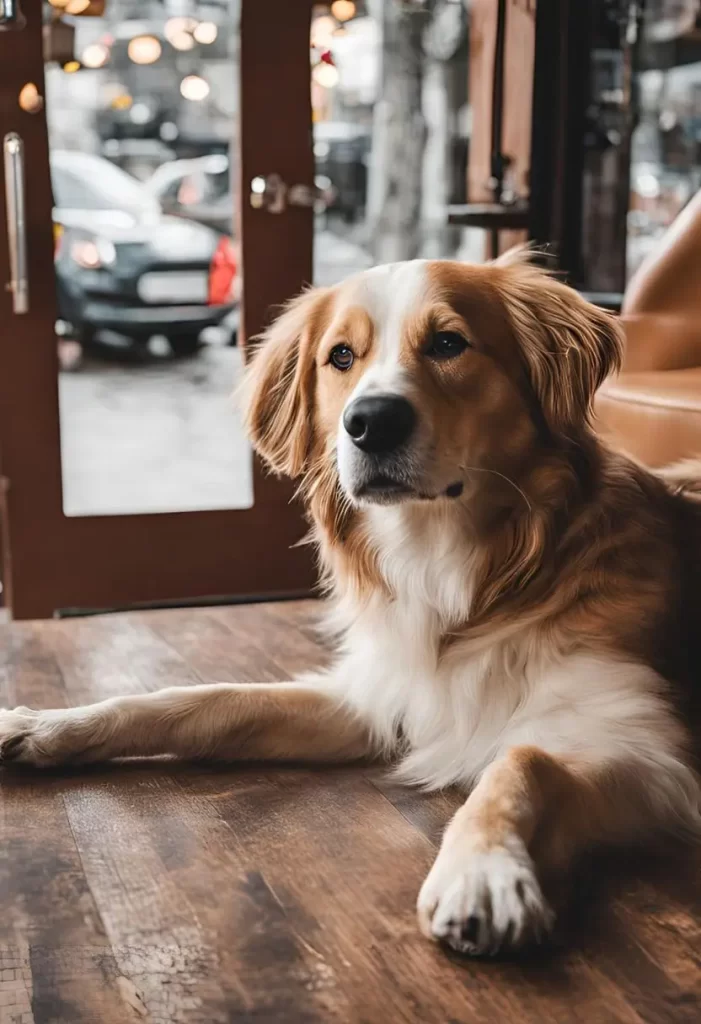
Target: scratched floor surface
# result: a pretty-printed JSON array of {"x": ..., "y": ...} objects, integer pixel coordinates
[{"x": 169, "y": 893}]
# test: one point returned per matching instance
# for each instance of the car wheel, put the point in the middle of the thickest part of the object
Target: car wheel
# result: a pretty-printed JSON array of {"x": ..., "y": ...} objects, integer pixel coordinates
[{"x": 184, "y": 344}]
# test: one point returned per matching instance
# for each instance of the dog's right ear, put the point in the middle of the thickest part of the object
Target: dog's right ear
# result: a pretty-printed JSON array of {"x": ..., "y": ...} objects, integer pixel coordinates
[{"x": 278, "y": 387}]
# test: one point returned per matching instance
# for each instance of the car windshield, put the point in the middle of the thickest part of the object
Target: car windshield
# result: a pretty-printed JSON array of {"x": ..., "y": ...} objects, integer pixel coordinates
[
  {"x": 98, "y": 186},
  {"x": 204, "y": 188}
]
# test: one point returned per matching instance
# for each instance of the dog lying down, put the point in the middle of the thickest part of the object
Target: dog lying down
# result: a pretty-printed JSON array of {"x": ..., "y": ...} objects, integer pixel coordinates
[{"x": 516, "y": 605}]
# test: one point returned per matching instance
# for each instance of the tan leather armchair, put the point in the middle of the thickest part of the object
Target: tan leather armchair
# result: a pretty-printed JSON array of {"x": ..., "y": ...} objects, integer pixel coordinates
[{"x": 652, "y": 410}]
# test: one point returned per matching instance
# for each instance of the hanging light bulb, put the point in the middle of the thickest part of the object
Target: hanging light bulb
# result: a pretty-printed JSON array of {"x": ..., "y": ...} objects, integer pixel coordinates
[
  {"x": 144, "y": 49},
  {"x": 322, "y": 32},
  {"x": 343, "y": 10},
  {"x": 183, "y": 41},
  {"x": 325, "y": 75},
  {"x": 195, "y": 88},
  {"x": 95, "y": 56},
  {"x": 30, "y": 99},
  {"x": 206, "y": 32},
  {"x": 179, "y": 32}
]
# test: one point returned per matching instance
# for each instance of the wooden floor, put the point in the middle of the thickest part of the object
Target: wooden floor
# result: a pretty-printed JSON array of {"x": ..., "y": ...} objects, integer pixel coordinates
[{"x": 173, "y": 893}]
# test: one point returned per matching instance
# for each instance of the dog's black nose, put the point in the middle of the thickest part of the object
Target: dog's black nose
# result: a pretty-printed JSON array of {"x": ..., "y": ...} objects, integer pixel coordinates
[{"x": 379, "y": 423}]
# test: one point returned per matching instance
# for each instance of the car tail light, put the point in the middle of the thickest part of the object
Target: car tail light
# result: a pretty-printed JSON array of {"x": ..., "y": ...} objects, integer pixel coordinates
[{"x": 222, "y": 273}]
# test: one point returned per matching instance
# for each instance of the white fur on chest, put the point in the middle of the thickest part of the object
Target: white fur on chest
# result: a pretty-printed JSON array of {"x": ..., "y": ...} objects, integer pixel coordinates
[
  {"x": 449, "y": 716},
  {"x": 448, "y": 719},
  {"x": 455, "y": 715}
]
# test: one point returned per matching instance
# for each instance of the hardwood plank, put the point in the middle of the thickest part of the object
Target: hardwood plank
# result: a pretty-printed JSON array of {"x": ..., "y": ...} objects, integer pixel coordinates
[
  {"x": 216, "y": 650},
  {"x": 132, "y": 832},
  {"x": 655, "y": 933},
  {"x": 307, "y": 616},
  {"x": 429, "y": 813},
  {"x": 267, "y": 624},
  {"x": 178, "y": 881},
  {"x": 105, "y": 656},
  {"x": 347, "y": 870},
  {"x": 56, "y": 963},
  {"x": 162, "y": 892},
  {"x": 29, "y": 673}
]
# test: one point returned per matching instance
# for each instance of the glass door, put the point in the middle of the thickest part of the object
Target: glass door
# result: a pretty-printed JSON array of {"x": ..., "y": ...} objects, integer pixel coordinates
[
  {"x": 140, "y": 116},
  {"x": 137, "y": 268}
]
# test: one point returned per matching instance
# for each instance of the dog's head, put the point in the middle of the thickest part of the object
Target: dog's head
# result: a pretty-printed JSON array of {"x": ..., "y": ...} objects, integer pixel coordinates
[{"x": 406, "y": 380}]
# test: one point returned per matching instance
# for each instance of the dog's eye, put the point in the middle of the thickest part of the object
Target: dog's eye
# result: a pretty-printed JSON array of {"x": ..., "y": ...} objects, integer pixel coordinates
[
  {"x": 341, "y": 357},
  {"x": 446, "y": 345}
]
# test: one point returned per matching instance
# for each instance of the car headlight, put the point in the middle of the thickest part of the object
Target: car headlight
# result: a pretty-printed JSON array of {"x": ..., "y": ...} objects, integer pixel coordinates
[{"x": 93, "y": 253}]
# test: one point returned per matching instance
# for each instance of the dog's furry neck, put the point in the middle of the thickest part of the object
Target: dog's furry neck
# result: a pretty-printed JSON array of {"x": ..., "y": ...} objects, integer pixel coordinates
[{"x": 506, "y": 530}]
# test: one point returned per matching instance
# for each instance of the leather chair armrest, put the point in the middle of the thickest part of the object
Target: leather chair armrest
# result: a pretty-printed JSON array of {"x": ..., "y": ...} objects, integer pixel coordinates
[{"x": 661, "y": 341}]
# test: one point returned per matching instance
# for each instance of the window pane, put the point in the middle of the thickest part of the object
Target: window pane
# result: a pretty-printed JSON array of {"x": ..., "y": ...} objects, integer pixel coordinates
[
  {"x": 147, "y": 263},
  {"x": 666, "y": 145},
  {"x": 391, "y": 128}
]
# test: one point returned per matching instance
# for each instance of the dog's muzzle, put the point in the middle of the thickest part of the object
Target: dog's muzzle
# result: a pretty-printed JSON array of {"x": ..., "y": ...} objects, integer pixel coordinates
[{"x": 380, "y": 424}]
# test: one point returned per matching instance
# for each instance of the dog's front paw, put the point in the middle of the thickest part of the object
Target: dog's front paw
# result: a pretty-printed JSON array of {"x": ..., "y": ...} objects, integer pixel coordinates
[
  {"x": 41, "y": 738},
  {"x": 481, "y": 902},
  {"x": 16, "y": 728}
]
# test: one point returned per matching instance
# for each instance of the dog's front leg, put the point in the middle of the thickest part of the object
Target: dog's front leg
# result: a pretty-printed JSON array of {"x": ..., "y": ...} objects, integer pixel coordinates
[
  {"x": 227, "y": 722},
  {"x": 527, "y": 819},
  {"x": 483, "y": 889}
]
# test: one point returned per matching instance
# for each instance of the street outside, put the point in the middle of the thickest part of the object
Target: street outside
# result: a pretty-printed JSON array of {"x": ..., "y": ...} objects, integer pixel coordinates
[
  {"x": 166, "y": 436},
  {"x": 140, "y": 110}
]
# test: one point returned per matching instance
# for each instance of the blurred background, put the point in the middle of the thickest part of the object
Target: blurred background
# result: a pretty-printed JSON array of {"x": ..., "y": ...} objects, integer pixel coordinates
[
  {"x": 439, "y": 128},
  {"x": 141, "y": 106}
]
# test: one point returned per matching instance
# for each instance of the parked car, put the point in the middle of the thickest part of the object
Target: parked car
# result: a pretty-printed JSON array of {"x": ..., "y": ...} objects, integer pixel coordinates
[{"x": 122, "y": 265}]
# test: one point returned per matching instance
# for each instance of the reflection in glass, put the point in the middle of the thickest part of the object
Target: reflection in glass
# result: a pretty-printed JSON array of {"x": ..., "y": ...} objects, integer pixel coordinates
[
  {"x": 666, "y": 148},
  {"x": 141, "y": 113}
]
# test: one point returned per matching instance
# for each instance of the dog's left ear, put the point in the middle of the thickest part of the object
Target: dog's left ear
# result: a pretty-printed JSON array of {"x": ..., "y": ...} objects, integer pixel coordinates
[
  {"x": 569, "y": 346},
  {"x": 278, "y": 386}
]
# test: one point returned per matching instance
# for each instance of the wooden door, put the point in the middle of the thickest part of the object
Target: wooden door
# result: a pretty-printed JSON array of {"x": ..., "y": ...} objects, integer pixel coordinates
[{"x": 53, "y": 562}]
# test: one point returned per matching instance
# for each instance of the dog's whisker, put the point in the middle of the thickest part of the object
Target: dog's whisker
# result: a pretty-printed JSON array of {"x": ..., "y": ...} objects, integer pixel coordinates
[{"x": 495, "y": 472}]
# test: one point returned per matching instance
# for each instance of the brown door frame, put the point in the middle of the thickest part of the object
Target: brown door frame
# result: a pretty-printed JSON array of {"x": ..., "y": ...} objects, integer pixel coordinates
[{"x": 52, "y": 562}]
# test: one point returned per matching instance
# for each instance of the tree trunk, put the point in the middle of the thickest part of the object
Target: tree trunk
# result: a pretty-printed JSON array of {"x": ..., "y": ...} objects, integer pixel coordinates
[{"x": 399, "y": 135}]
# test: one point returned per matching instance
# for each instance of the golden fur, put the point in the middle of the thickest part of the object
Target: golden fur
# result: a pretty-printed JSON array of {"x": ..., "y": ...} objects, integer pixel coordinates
[
  {"x": 524, "y": 624},
  {"x": 600, "y": 536}
]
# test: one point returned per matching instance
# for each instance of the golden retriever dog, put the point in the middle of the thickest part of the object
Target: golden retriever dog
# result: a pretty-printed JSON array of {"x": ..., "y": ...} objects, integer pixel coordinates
[{"x": 516, "y": 605}]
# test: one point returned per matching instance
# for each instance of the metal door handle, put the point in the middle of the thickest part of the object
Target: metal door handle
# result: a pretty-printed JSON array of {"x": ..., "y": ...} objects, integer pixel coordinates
[
  {"x": 13, "y": 152},
  {"x": 11, "y": 16},
  {"x": 269, "y": 192}
]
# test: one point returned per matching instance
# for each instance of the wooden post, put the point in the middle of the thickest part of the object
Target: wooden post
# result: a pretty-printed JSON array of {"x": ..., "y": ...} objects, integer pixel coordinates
[{"x": 518, "y": 96}]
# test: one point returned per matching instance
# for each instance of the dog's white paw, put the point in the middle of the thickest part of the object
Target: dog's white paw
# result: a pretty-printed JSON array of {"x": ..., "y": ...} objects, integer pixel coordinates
[
  {"x": 480, "y": 902},
  {"x": 16, "y": 728},
  {"x": 41, "y": 738}
]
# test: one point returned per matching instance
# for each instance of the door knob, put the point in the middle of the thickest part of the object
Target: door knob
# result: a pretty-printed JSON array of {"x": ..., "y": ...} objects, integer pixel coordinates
[
  {"x": 11, "y": 16},
  {"x": 269, "y": 192}
]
